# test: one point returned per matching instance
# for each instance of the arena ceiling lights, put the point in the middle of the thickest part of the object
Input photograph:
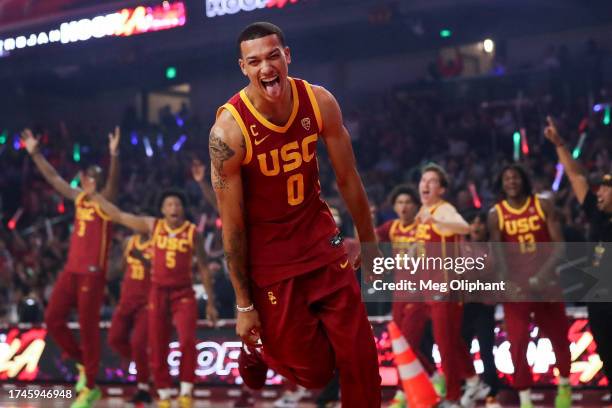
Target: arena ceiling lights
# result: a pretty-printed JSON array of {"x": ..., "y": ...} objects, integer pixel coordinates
[
  {"x": 216, "y": 8},
  {"x": 122, "y": 23}
]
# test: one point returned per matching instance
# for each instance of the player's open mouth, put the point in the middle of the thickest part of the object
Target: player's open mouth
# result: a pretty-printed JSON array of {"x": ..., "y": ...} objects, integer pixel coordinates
[{"x": 272, "y": 86}]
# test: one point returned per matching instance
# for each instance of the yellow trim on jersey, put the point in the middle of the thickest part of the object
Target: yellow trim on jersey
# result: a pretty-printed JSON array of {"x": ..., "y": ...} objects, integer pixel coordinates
[
  {"x": 178, "y": 230},
  {"x": 190, "y": 234},
  {"x": 79, "y": 198},
  {"x": 266, "y": 122},
  {"x": 514, "y": 210},
  {"x": 538, "y": 207},
  {"x": 392, "y": 228},
  {"x": 139, "y": 244},
  {"x": 128, "y": 247},
  {"x": 500, "y": 217},
  {"x": 405, "y": 229},
  {"x": 99, "y": 211},
  {"x": 245, "y": 134},
  {"x": 315, "y": 105}
]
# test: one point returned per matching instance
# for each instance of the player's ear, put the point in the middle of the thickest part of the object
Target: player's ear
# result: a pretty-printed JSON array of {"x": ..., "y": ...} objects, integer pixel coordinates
[
  {"x": 287, "y": 55},
  {"x": 242, "y": 66}
]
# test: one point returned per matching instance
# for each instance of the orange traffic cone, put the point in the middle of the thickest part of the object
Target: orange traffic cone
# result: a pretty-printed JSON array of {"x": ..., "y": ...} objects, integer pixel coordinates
[{"x": 415, "y": 382}]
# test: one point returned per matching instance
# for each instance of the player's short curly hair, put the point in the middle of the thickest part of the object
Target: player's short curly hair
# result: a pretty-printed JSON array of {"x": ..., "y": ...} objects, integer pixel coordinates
[
  {"x": 259, "y": 29},
  {"x": 404, "y": 189},
  {"x": 172, "y": 193}
]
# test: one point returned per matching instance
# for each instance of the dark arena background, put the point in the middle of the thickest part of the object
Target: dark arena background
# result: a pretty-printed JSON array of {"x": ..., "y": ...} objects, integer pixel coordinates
[{"x": 467, "y": 84}]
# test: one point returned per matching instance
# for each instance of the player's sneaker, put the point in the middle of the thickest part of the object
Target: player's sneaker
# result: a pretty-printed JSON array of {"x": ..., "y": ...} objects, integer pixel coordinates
[
  {"x": 290, "y": 399},
  {"x": 82, "y": 379},
  {"x": 491, "y": 402},
  {"x": 164, "y": 403},
  {"x": 246, "y": 400},
  {"x": 472, "y": 393},
  {"x": 439, "y": 383},
  {"x": 448, "y": 404},
  {"x": 185, "y": 401},
  {"x": 252, "y": 367},
  {"x": 87, "y": 398},
  {"x": 141, "y": 396},
  {"x": 564, "y": 397},
  {"x": 399, "y": 400}
]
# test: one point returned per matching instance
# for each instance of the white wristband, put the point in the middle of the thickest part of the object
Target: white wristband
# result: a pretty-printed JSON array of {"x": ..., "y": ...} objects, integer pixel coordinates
[{"x": 247, "y": 309}]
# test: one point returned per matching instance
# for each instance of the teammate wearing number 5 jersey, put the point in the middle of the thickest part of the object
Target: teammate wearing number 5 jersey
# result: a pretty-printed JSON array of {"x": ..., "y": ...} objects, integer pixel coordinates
[
  {"x": 295, "y": 288},
  {"x": 81, "y": 284},
  {"x": 174, "y": 242},
  {"x": 128, "y": 330},
  {"x": 526, "y": 220}
]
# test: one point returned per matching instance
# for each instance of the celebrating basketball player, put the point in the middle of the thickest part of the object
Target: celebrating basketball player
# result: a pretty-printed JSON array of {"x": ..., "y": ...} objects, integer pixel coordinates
[
  {"x": 171, "y": 297},
  {"x": 296, "y": 291},
  {"x": 81, "y": 284},
  {"x": 525, "y": 219}
]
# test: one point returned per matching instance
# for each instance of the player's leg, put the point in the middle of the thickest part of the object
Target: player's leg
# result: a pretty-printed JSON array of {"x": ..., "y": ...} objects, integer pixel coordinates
[
  {"x": 600, "y": 315},
  {"x": 485, "y": 333},
  {"x": 160, "y": 324},
  {"x": 63, "y": 300},
  {"x": 517, "y": 319},
  {"x": 139, "y": 344},
  {"x": 90, "y": 297},
  {"x": 347, "y": 327},
  {"x": 552, "y": 321},
  {"x": 412, "y": 322},
  {"x": 184, "y": 316},
  {"x": 456, "y": 361},
  {"x": 294, "y": 343},
  {"x": 121, "y": 330}
]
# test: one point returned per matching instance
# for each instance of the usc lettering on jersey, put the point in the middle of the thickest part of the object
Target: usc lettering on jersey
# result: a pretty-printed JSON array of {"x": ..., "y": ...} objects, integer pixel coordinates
[
  {"x": 525, "y": 227},
  {"x": 290, "y": 229},
  {"x": 137, "y": 278},
  {"x": 90, "y": 238},
  {"x": 172, "y": 254}
]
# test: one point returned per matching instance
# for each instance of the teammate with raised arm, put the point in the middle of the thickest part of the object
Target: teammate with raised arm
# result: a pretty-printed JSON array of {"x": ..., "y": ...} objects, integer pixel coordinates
[
  {"x": 81, "y": 283},
  {"x": 295, "y": 288},
  {"x": 171, "y": 297}
]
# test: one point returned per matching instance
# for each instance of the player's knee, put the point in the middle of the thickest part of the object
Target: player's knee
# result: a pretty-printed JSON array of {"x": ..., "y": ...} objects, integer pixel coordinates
[
  {"x": 52, "y": 321},
  {"x": 318, "y": 378}
]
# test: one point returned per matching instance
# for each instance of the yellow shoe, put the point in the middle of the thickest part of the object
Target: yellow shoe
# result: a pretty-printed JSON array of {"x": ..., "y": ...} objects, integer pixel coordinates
[
  {"x": 165, "y": 403},
  {"x": 185, "y": 401},
  {"x": 82, "y": 380},
  {"x": 87, "y": 398}
]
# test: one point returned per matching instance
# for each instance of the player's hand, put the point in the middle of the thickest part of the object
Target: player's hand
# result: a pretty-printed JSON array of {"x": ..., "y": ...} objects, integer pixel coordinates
[
  {"x": 31, "y": 142},
  {"x": 248, "y": 328},
  {"x": 211, "y": 313},
  {"x": 365, "y": 260},
  {"x": 424, "y": 216},
  {"x": 198, "y": 170},
  {"x": 113, "y": 141},
  {"x": 551, "y": 132}
]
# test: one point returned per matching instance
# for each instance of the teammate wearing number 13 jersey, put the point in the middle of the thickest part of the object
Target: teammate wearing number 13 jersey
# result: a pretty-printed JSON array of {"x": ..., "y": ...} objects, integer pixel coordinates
[
  {"x": 525, "y": 220},
  {"x": 295, "y": 288}
]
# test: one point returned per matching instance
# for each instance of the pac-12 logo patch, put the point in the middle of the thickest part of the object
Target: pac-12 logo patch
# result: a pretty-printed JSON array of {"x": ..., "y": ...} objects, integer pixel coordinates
[{"x": 306, "y": 123}]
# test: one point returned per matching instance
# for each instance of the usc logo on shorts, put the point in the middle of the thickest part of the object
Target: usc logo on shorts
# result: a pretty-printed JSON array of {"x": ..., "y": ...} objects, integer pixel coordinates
[{"x": 272, "y": 298}]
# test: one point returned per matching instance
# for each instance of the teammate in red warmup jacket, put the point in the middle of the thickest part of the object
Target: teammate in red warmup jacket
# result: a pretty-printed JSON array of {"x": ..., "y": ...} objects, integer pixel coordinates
[
  {"x": 525, "y": 219},
  {"x": 171, "y": 297},
  {"x": 295, "y": 288},
  {"x": 128, "y": 334},
  {"x": 81, "y": 284}
]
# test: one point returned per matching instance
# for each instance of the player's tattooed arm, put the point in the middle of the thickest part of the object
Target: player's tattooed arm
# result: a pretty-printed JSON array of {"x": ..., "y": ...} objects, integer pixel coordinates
[
  {"x": 46, "y": 169},
  {"x": 111, "y": 189},
  {"x": 220, "y": 152}
]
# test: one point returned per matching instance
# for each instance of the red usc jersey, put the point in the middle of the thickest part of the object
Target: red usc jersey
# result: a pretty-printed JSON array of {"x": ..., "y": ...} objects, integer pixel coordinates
[
  {"x": 443, "y": 244},
  {"x": 290, "y": 229},
  {"x": 525, "y": 226},
  {"x": 137, "y": 278},
  {"x": 400, "y": 236},
  {"x": 172, "y": 254},
  {"x": 90, "y": 239}
]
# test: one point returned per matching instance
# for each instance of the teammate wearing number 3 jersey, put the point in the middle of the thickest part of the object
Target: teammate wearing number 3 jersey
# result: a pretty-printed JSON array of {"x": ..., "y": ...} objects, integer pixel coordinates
[{"x": 295, "y": 289}]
